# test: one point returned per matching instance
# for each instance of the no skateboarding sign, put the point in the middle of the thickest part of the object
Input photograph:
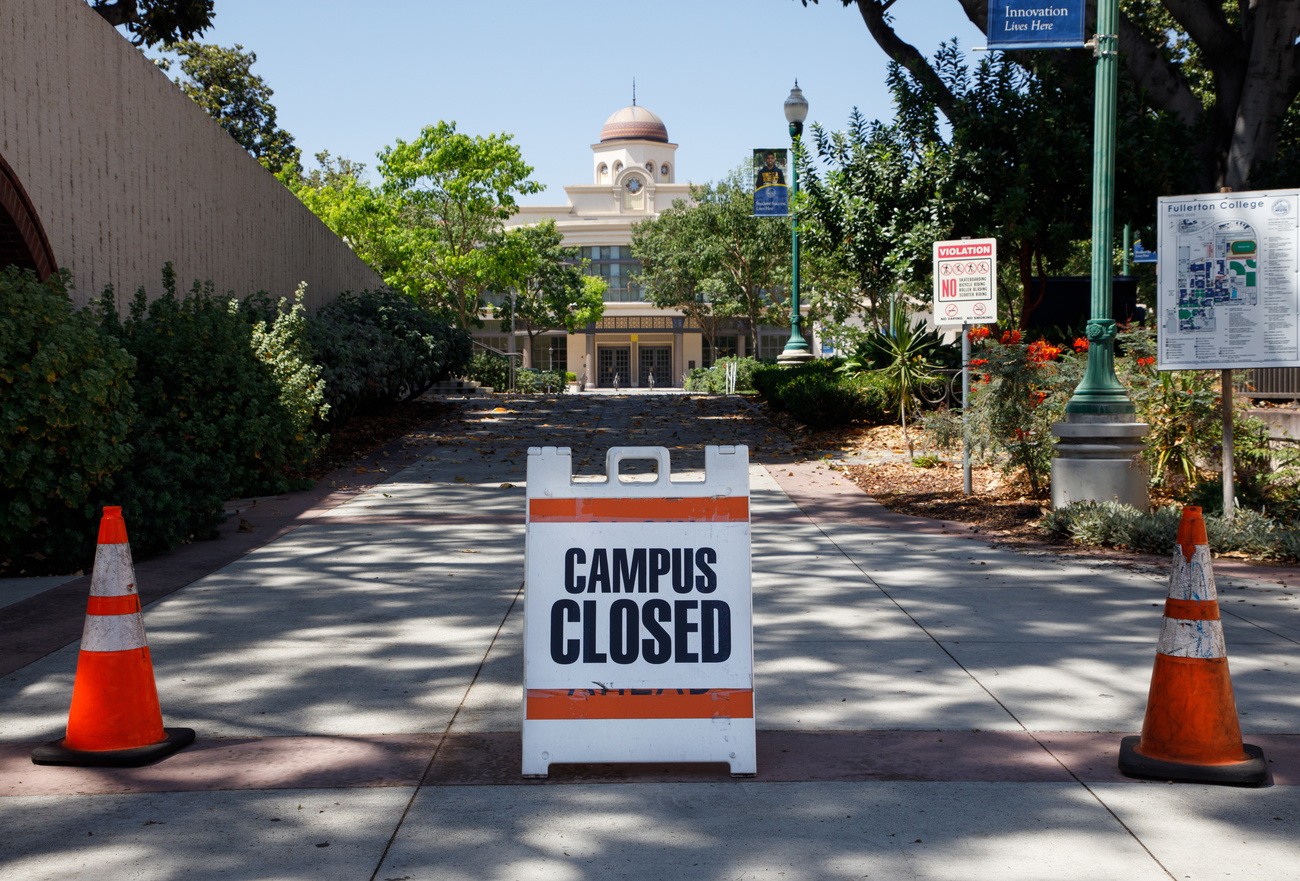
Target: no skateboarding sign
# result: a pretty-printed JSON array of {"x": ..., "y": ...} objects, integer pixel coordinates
[
  {"x": 965, "y": 282},
  {"x": 637, "y": 617}
]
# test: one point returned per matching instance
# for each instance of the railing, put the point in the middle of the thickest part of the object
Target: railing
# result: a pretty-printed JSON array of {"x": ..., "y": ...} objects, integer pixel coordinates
[{"x": 510, "y": 360}]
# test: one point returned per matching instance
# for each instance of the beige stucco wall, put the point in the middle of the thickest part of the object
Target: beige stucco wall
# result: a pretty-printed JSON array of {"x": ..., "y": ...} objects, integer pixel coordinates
[{"x": 126, "y": 173}]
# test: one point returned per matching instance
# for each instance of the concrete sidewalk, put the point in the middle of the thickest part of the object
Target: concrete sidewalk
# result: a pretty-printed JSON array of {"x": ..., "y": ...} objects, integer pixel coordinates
[{"x": 929, "y": 706}]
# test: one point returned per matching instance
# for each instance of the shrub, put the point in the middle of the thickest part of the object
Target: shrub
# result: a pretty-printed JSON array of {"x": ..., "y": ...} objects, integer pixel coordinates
[
  {"x": 770, "y": 379},
  {"x": 529, "y": 381},
  {"x": 713, "y": 380},
  {"x": 379, "y": 347},
  {"x": 820, "y": 396},
  {"x": 281, "y": 344},
  {"x": 224, "y": 410},
  {"x": 489, "y": 369},
  {"x": 66, "y": 409},
  {"x": 1110, "y": 524},
  {"x": 1022, "y": 391},
  {"x": 820, "y": 401}
]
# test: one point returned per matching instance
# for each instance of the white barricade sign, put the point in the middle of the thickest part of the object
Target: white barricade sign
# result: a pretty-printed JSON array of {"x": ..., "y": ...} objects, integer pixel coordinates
[{"x": 638, "y": 634}]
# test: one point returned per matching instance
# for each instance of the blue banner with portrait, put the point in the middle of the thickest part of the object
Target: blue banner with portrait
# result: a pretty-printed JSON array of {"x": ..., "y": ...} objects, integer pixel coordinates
[
  {"x": 771, "y": 195},
  {"x": 1036, "y": 24}
]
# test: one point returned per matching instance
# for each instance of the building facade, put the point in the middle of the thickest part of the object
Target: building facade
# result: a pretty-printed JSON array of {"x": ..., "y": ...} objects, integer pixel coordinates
[{"x": 635, "y": 344}]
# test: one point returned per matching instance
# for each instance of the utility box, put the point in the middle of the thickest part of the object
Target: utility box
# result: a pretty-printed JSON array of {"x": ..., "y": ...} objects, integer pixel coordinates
[{"x": 638, "y": 624}]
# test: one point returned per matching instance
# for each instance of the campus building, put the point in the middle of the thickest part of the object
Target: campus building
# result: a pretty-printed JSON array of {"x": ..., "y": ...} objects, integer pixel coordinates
[{"x": 635, "y": 344}]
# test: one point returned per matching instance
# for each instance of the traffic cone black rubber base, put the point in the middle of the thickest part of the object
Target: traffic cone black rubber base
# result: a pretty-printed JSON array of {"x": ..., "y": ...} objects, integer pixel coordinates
[
  {"x": 1252, "y": 772},
  {"x": 55, "y": 753}
]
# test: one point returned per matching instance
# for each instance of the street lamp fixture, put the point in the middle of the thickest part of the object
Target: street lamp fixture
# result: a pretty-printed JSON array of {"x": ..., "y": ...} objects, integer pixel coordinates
[{"x": 796, "y": 350}]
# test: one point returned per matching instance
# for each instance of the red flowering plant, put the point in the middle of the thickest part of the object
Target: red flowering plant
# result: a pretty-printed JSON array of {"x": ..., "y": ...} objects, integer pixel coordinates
[{"x": 1024, "y": 389}]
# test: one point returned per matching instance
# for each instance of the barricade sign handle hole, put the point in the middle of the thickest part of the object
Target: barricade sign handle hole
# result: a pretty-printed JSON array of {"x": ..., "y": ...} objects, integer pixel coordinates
[{"x": 618, "y": 455}]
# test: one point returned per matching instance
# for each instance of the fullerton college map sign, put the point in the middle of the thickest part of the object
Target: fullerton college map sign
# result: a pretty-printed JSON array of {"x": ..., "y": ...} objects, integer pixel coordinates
[
  {"x": 1228, "y": 280},
  {"x": 966, "y": 282},
  {"x": 1035, "y": 24}
]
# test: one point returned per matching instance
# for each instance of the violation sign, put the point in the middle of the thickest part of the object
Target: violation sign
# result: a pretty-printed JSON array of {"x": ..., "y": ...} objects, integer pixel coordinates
[
  {"x": 965, "y": 282},
  {"x": 637, "y": 622}
]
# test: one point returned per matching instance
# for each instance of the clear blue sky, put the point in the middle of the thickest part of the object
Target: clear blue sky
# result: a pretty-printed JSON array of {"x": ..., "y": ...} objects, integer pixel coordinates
[{"x": 352, "y": 78}]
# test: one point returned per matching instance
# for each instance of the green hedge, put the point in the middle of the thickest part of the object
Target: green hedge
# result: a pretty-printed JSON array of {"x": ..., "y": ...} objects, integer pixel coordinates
[
  {"x": 225, "y": 409},
  {"x": 713, "y": 380},
  {"x": 66, "y": 408},
  {"x": 185, "y": 402},
  {"x": 819, "y": 396},
  {"x": 379, "y": 347}
]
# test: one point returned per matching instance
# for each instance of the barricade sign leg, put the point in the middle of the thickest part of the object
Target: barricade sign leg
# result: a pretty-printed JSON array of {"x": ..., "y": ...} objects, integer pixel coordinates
[{"x": 638, "y": 633}]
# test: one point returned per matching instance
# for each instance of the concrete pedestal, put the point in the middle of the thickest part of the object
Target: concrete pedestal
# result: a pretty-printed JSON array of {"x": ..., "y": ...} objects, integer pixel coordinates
[{"x": 1099, "y": 460}]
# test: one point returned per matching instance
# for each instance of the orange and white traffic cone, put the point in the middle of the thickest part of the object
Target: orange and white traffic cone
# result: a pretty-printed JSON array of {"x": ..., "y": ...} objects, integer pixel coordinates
[
  {"x": 115, "y": 720},
  {"x": 1191, "y": 731}
]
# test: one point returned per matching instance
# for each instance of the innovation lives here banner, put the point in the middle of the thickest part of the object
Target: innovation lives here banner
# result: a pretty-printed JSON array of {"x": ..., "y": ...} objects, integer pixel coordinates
[{"x": 1036, "y": 24}]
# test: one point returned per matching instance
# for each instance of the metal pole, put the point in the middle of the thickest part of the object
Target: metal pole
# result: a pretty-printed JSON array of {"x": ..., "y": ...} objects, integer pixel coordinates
[
  {"x": 965, "y": 411},
  {"x": 797, "y": 346},
  {"x": 1100, "y": 392},
  {"x": 1229, "y": 463}
]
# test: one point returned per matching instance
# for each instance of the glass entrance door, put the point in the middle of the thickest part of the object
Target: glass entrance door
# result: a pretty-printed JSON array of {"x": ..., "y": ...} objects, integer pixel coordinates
[
  {"x": 614, "y": 366},
  {"x": 656, "y": 363}
]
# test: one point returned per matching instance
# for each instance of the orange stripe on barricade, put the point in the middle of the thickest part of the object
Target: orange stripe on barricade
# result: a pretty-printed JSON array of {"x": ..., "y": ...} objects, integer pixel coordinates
[
  {"x": 120, "y": 605},
  {"x": 1192, "y": 610},
  {"x": 650, "y": 703},
  {"x": 708, "y": 510}
]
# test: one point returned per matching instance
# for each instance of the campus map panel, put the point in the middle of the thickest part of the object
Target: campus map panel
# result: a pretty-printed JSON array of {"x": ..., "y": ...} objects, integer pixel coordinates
[{"x": 1228, "y": 280}]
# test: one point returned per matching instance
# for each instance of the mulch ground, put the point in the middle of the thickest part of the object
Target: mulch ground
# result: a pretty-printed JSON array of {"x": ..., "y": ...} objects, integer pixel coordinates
[{"x": 1000, "y": 507}]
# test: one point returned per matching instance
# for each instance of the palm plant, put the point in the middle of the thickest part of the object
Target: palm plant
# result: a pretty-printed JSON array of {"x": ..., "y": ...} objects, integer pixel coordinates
[{"x": 906, "y": 355}]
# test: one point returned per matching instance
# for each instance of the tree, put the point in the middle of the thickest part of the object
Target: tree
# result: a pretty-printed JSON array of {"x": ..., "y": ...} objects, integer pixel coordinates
[
  {"x": 451, "y": 193},
  {"x": 712, "y": 258},
  {"x": 1228, "y": 71},
  {"x": 872, "y": 206},
  {"x": 221, "y": 81},
  {"x": 550, "y": 291},
  {"x": 338, "y": 193},
  {"x": 1016, "y": 165},
  {"x": 157, "y": 21}
]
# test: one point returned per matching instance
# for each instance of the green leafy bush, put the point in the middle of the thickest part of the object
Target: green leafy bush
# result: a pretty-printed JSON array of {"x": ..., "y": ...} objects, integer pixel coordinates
[
  {"x": 530, "y": 381},
  {"x": 770, "y": 379},
  {"x": 820, "y": 396},
  {"x": 66, "y": 408},
  {"x": 713, "y": 380},
  {"x": 378, "y": 347},
  {"x": 489, "y": 369},
  {"x": 820, "y": 401},
  {"x": 225, "y": 408}
]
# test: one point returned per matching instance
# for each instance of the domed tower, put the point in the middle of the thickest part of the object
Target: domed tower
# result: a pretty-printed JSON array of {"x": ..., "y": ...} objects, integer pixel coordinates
[{"x": 634, "y": 154}]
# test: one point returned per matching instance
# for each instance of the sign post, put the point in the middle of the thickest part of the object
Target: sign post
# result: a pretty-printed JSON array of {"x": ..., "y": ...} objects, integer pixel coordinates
[
  {"x": 965, "y": 293},
  {"x": 966, "y": 282},
  {"x": 638, "y": 635}
]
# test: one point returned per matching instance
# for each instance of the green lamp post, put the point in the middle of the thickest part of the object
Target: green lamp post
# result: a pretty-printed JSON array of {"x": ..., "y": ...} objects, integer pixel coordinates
[
  {"x": 796, "y": 350},
  {"x": 1100, "y": 392},
  {"x": 1100, "y": 441}
]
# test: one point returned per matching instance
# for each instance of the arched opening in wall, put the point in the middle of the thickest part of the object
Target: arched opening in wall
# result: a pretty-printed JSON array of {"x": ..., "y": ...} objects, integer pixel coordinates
[{"x": 22, "y": 238}]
